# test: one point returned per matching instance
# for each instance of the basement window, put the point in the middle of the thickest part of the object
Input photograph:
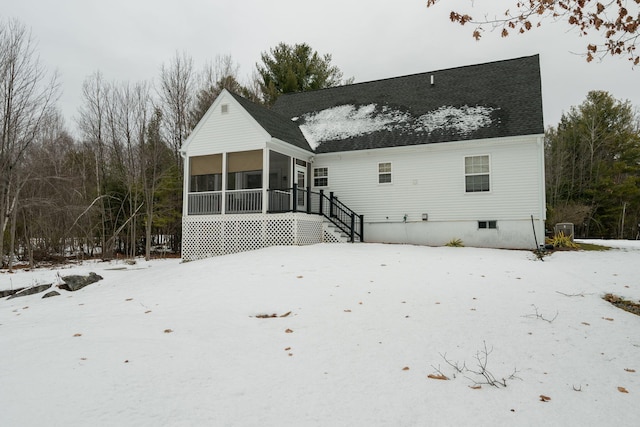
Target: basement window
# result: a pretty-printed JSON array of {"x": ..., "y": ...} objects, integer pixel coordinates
[{"x": 487, "y": 224}]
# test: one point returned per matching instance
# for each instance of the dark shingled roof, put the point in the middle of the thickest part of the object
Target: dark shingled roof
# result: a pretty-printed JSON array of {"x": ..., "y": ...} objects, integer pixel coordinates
[
  {"x": 510, "y": 90},
  {"x": 277, "y": 125}
]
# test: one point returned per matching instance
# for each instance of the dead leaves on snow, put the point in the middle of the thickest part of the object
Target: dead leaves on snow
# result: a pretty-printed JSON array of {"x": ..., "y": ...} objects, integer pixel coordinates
[
  {"x": 266, "y": 316},
  {"x": 272, "y": 316},
  {"x": 438, "y": 377},
  {"x": 622, "y": 303},
  {"x": 622, "y": 390},
  {"x": 544, "y": 398}
]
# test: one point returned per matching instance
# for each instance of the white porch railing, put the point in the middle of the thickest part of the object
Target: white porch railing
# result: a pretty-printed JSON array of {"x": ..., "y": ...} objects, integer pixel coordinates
[
  {"x": 204, "y": 203},
  {"x": 237, "y": 201},
  {"x": 243, "y": 201}
]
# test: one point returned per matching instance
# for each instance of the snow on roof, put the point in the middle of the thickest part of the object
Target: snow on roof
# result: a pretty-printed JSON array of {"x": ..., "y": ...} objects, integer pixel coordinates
[
  {"x": 463, "y": 120},
  {"x": 347, "y": 121}
]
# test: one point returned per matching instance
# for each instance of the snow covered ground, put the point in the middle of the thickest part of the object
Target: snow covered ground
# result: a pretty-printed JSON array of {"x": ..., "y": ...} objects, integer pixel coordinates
[{"x": 180, "y": 344}]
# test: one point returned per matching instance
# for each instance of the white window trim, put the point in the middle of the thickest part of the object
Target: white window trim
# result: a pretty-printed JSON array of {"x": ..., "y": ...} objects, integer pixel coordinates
[
  {"x": 313, "y": 176},
  {"x": 390, "y": 173},
  {"x": 465, "y": 174}
]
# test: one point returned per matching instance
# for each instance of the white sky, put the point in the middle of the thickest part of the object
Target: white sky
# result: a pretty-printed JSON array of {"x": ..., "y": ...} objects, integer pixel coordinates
[{"x": 129, "y": 40}]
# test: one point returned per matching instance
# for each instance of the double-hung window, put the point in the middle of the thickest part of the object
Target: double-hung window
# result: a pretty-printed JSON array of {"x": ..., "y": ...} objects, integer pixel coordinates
[
  {"x": 320, "y": 177},
  {"x": 476, "y": 173},
  {"x": 384, "y": 173}
]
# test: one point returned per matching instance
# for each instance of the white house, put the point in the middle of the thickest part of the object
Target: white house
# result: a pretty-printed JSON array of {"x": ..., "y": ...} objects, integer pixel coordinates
[{"x": 421, "y": 159}]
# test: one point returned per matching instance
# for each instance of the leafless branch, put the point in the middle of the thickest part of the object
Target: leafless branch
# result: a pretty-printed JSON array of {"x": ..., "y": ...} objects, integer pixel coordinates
[
  {"x": 538, "y": 315},
  {"x": 581, "y": 294},
  {"x": 481, "y": 373}
]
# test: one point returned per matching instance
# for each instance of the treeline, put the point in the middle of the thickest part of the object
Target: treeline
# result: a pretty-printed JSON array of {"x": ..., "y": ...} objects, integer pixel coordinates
[
  {"x": 593, "y": 168},
  {"x": 116, "y": 186}
]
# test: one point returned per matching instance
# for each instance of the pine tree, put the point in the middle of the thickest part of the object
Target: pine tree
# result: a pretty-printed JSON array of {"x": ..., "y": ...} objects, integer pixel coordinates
[
  {"x": 593, "y": 168},
  {"x": 296, "y": 68}
]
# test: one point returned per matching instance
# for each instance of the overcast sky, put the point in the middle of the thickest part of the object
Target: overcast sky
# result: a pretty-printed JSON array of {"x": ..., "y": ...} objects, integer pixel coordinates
[{"x": 129, "y": 40}]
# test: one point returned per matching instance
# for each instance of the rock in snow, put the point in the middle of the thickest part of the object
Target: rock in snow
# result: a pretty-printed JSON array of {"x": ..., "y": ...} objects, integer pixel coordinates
[
  {"x": 74, "y": 283},
  {"x": 30, "y": 291}
]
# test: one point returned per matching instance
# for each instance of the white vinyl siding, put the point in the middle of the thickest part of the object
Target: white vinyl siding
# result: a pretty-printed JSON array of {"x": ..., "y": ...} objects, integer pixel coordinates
[
  {"x": 237, "y": 131},
  {"x": 428, "y": 179}
]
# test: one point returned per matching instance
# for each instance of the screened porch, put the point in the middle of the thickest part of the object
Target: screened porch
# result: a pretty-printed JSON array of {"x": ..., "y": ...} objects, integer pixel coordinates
[{"x": 233, "y": 183}]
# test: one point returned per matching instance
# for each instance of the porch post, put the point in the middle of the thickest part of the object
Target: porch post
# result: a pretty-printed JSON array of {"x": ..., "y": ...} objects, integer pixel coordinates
[
  {"x": 331, "y": 204},
  {"x": 353, "y": 226},
  {"x": 223, "y": 202},
  {"x": 320, "y": 202},
  {"x": 294, "y": 195},
  {"x": 308, "y": 199},
  {"x": 185, "y": 185},
  {"x": 265, "y": 178}
]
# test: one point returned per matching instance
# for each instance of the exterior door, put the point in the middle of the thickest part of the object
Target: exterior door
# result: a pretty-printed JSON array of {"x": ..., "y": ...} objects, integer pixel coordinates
[{"x": 301, "y": 187}]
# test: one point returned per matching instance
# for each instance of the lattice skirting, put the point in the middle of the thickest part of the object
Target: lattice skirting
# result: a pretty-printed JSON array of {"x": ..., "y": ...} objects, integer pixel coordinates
[{"x": 205, "y": 236}]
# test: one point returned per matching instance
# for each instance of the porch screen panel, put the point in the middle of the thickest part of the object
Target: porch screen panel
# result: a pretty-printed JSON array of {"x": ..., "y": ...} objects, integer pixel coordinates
[
  {"x": 244, "y": 170},
  {"x": 205, "y": 173},
  {"x": 279, "y": 171},
  {"x": 206, "y": 165},
  {"x": 244, "y": 161}
]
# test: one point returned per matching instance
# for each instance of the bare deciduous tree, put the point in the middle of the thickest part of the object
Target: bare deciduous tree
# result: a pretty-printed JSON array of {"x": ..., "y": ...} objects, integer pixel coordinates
[
  {"x": 92, "y": 122},
  {"x": 221, "y": 73},
  {"x": 176, "y": 92},
  {"x": 27, "y": 94}
]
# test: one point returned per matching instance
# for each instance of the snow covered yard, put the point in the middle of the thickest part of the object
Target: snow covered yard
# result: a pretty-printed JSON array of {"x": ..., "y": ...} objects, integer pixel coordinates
[{"x": 169, "y": 343}]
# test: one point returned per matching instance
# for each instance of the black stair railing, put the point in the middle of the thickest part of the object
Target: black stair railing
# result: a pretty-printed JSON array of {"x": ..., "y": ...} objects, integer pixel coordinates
[
  {"x": 342, "y": 216},
  {"x": 318, "y": 203}
]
